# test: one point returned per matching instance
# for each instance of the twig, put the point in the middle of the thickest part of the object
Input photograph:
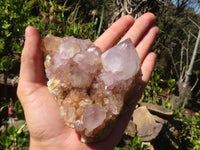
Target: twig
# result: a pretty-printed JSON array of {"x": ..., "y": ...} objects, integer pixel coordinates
[
  {"x": 194, "y": 22},
  {"x": 130, "y": 3},
  {"x": 65, "y": 3},
  {"x": 193, "y": 35},
  {"x": 138, "y": 5},
  {"x": 187, "y": 57},
  {"x": 126, "y": 8},
  {"x": 195, "y": 83},
  {"x": 182, "y": 75},
  {"x": 198, "y": 60},
  {"x": 176, "y": 72},
  {"x": 181, "y": 62},
  {"x": 72, "y": 18}
]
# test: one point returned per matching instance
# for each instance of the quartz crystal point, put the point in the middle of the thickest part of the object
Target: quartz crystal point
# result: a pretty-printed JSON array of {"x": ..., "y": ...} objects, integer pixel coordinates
[{"x": 90, "y": 87}]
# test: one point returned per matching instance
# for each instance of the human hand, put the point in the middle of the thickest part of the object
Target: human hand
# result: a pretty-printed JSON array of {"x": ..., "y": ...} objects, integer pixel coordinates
[{"x": 46, "y": 126}]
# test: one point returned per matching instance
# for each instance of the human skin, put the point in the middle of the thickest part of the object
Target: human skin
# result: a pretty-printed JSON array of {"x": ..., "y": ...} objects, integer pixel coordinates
[{"x": 45, "y": 124}]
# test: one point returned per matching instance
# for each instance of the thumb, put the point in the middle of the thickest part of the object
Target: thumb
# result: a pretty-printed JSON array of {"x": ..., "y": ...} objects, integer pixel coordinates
[{"x": 32, "y": 68}]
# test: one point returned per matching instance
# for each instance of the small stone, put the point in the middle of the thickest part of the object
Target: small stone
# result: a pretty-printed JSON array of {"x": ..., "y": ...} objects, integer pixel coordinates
[
  {"x": 91, "y": 87},
  {"x": 148, "y": 125}
]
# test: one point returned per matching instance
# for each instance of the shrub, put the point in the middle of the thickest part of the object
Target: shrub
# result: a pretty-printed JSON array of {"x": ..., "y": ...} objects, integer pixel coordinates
[{"x": 189, "y": 129}]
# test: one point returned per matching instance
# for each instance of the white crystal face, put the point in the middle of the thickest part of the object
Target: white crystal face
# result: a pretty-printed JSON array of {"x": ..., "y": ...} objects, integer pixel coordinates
[
  {"x": 121, "y": 60},
  {"x": 90, "y": 87}
]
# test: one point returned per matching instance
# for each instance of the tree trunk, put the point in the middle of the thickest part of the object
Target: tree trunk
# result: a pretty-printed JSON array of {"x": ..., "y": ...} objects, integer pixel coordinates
[{"x": 184, "y": 95}]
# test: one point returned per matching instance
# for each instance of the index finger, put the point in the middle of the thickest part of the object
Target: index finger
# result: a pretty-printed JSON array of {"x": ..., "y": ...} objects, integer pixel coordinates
[
  {"x": 112, "y": 34},
  {"x": 140, "y": 27}
]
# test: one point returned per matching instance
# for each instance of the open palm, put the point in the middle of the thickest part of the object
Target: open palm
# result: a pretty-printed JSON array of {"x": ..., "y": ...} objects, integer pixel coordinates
[{"x": 47, "y": 129}]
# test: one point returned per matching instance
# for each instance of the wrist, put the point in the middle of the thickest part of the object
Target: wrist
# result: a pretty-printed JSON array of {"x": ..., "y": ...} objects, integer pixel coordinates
[
  {"x": 52, "y": 144},
  {"x": 42, "y": 145}
]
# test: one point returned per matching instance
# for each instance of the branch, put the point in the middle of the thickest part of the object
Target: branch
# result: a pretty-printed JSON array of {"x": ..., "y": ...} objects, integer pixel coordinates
[
  {"x": 182, "y": 74},
  {"x": 194, "y": 23},
  {"x": 195, "y": 84},
  {"x": 187, "y": 57},
  {"x": 172, "y": 60},
  {"x": 181, "y": 61},
  {"x": 193, "y": 35},
  {"x": 198, "y": 60},
  {"x": 126, "y": 8},
  {"x": 130, "y": 3},
  {"x": 186, "y": 49},
  {"x": 189, "y": 71},
  {"x": 65, "y": 3},
  {"x": 138, "y": 5}
]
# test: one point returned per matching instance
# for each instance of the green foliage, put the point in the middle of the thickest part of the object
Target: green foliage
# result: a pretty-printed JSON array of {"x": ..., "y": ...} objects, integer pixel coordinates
[
  {"x": 167, "y": 105},
  {"x": 171, "y": 84},
  {"x": 15, "y": 16},
  {"x": 195, "y": 139},
  {"x": 55, "y": 17},
  {"x": 135, "y": 144},
  {"x": 70, "y": 19},
  {"x": 196, "y": 72},
  {"x": 2, "y": 43},
  {"x": 19, "y": 111},
  {"x": 175, "y": 27},
  {"x": 153, "y": 88},
  {"x": 189, "y": 129},
  {"x": 6, "y": 63},
  {"x": 13, "y": 138}
]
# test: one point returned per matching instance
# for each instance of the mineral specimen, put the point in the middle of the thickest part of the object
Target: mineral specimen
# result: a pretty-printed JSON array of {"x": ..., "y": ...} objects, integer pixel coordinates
[{"x": 91, "y": 87}]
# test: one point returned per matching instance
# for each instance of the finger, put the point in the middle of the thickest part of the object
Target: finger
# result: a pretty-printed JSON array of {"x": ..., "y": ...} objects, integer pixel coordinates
[
  {"x": 148, "y": 66},
  {"x": 140, "y": 27},
  {"x": 32, "y": 69},
  {"x": 147, "y": 41},
  {"x": 113, "y": 33}
]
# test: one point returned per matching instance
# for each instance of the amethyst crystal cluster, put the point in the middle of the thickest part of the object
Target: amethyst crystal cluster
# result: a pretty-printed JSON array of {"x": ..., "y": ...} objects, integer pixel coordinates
[{"x": 90, "y": 87}]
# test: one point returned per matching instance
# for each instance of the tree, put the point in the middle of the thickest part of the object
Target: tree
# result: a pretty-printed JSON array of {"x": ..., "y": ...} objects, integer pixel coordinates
[
  {"x": 186, "y": 69},
  {"x": 181, "y": 5}
]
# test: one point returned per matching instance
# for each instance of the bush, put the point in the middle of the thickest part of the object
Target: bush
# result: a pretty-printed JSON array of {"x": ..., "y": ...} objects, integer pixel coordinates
[
  {"x": 13, "y": 138},
  {"x": 154, "y": 88},
  {"x": 189, "y": 129},
  {"x": 15, "y": 16}
]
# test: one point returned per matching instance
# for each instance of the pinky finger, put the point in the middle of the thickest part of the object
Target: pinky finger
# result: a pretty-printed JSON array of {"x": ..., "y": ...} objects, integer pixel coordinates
[{"x": 148, "y": 66}]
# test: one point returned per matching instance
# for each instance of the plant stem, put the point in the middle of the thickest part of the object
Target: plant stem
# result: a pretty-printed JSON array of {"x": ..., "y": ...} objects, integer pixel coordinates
[{"x": 101, "y": 21}]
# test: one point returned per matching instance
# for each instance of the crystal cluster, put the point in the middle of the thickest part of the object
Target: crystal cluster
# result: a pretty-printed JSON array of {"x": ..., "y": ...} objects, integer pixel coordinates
[{"x": 91, "y": 87}]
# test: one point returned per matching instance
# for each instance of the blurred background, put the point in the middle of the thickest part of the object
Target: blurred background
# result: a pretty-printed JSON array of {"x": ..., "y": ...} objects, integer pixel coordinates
[{"x": 173, "y": 93}]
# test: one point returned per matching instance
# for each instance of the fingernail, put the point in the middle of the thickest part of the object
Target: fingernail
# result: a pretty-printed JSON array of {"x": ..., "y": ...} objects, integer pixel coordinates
[{"x": 28, "y": 32}]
